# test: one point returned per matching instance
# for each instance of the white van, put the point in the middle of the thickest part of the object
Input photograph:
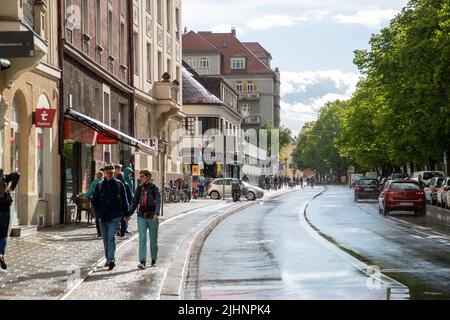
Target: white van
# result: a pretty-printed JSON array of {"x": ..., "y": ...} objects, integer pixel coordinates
[{"x": 427, "y": 175}]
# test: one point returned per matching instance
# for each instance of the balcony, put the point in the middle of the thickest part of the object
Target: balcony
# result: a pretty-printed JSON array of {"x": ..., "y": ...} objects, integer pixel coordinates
[
  {"x": 249, "y": 95},
  {"x": 24, "y": 16},
  {"x": 252, "y": 120},
  {"x": 169, "y": 101}
]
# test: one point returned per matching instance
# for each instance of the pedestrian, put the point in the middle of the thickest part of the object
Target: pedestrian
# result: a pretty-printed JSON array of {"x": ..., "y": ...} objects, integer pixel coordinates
[
  {"x": 110, "y": 204},
  {"x": 275, "y": 182},
  {"x": 117, "y": 169},
  {"x": 90, "y": 193},
  {"x": 123, "y": 223},
  {"x": 128, "y": 177},
  {"x": 301, "y": 182},
  {"x": 313, "y": 180},
  {"x": 201, "y": 186},
  {"x": 5, "y": 210},
  {"x": 245, "y": 178},
  {"x": 148, "y": 202}
]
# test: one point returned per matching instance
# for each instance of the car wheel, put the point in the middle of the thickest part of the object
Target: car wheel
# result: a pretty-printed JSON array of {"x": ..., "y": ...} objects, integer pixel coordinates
[
  {"x": 250, "y": 196},
  {"x": 214, "y": 195}
]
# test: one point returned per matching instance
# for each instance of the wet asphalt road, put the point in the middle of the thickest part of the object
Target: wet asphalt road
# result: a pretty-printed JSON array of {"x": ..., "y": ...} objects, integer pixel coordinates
[
  {"x": 412, "y": 250},
  {"x": 270, "y": 252},
  {"x": 267, "y": 252}
]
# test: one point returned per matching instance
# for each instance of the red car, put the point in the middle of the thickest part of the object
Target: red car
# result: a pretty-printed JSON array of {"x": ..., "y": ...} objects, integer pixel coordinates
[{"x": 402, "y": 195}]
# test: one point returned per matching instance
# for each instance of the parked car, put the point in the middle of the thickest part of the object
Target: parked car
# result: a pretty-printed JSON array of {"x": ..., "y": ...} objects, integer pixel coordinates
[
  {"x": 427, "y": 175},
  {"x": 399, "y": 175},
  {"x": 250, "y": 192},
  {"x": 366, "y": 188},
  {"x": 402, "y": 195},
  {"x": 443, "y": 193},
  {"x": 432, "y": 188}
]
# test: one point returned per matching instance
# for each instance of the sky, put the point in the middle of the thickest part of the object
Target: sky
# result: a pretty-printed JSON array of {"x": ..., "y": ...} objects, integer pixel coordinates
[{"x": 312, "y": 42}]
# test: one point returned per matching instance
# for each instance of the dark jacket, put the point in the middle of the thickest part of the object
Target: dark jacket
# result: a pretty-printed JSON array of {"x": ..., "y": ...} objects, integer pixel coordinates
[
  {"x": 110, "y": 200},
  {"x": 12, "y": 178},
  {"x": 154, "y": 201}
]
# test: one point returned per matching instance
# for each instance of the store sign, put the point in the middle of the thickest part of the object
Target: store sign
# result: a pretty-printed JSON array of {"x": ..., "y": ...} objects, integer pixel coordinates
[
  {"x": 45, "y": 117},
  {"x": 101, "y": 139},
  {"x": 195, "y": 170},
  {"x": 78, "y": 132}
]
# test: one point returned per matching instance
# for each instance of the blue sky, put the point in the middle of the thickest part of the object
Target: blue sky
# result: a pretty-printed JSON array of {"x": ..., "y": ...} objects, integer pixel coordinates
[{"x": 312, "y": 42}]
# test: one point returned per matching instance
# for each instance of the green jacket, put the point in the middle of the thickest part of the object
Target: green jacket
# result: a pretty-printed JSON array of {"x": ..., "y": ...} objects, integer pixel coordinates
[{"x": 91, "y": 188}]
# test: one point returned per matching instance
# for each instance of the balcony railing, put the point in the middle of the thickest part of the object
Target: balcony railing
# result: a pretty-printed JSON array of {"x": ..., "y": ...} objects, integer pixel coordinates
[
  {"x": 28, "y": 7},
  {"x": 252, "y": 120}
]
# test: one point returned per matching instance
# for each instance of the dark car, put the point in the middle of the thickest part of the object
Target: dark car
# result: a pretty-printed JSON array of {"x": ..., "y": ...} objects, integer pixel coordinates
[
  {"x": 366, "y": 188},
  {"x": 398, "y": 175},
  {"x": 402, "y": 195}
]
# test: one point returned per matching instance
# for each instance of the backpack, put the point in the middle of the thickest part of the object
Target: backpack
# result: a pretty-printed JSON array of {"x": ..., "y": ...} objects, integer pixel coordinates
[{"x": 5, "y": 197}]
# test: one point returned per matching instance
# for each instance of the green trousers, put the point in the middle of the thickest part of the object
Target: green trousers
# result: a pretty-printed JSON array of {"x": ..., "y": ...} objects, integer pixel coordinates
[{"x": 152, "y": 227}]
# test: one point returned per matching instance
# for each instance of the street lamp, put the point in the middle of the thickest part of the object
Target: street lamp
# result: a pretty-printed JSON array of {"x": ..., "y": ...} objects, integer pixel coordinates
[{"x": 163, "y": 146}]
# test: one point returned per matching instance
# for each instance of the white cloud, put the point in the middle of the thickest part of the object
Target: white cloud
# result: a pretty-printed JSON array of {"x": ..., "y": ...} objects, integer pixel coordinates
[
  {"x": 371, "y": 18},
  {"x": 295, "y": 114},
  {"x": 226, "y": 28},
  {"x": 271, "y": 21}
]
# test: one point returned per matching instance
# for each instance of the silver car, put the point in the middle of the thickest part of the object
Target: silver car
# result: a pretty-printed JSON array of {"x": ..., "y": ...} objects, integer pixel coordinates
[{"x": 250, "y": 192}]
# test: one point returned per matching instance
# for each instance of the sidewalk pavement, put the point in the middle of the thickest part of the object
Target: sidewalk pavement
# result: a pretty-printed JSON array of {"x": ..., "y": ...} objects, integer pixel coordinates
[{"x": 54, "y": 262}]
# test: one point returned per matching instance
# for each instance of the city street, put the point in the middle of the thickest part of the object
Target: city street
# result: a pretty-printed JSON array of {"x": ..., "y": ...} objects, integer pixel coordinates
[{"x": 274, "y": 251}]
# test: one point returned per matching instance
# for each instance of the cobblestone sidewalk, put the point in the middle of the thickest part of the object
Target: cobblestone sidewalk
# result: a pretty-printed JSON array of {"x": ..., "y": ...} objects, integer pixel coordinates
[{"x": 41, "y": 266}]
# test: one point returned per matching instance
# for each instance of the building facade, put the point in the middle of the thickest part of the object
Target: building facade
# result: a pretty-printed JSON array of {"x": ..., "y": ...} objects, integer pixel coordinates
[
  {"x": 246, "y": 66},
  {"x": 97, "y": 83},
  {"x": 31, "y": 82},
  {"x": 208, "y": 118},
  {"x": 156, "y": 34}
]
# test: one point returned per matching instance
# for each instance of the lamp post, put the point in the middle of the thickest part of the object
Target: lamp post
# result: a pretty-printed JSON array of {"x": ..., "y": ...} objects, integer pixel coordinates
[{"x": 163, "y": 146}]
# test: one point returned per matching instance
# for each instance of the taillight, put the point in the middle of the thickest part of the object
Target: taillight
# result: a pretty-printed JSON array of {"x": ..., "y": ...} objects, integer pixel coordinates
[
  {"x": 421, "y": 194},
  {"x": 389, "y": 194}
]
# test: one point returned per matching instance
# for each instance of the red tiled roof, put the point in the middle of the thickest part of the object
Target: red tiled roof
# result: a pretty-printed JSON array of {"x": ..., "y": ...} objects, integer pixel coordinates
[
  {"x": 258, "y": 50},
  {"x": 192, "y": 42},
  {"x": 229, "y": 46}
]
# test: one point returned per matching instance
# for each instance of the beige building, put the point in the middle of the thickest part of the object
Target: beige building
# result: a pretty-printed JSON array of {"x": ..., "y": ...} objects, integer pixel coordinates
[
  {"x": 157, "y": 101},
  {"x": 31, "y": 83},
  {"x": 286, "y": 160}
]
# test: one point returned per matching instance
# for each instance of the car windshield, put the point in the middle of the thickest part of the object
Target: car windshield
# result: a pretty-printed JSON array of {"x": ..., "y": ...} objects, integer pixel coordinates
[
  {"x": 367, "y": 182},
  {"x": 405, "y": 186},
  {"x": 429, "y": 175}
]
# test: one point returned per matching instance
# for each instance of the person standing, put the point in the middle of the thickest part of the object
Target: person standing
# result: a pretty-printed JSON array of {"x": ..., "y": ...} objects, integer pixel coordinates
[
  {"x": 201, "y": 186},
  {"x": 5, "y": 210},
  {"x": 148, "y": 202},
  {"x": 123, "y": 222},
  {"x": 301, "y": 182},
  {"x": 245, "y": 178},
  {"x": 110, "y": 203},
  {"x": 128, "y": 177},
  {"x": 90, "y": 193}
]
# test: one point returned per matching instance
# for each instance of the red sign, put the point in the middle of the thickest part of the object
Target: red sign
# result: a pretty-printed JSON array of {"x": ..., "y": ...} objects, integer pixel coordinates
[
  {"x": 78, "y": 132},
  {"x": 45, "y": 117},
  {"x": 101, "y": 139}
]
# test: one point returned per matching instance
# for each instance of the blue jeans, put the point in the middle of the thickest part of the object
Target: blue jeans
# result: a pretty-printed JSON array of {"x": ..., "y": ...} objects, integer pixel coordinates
[
  {"x": 152, "y": 227},
  {"x": 109, "y": 231},
  {"x": 5, "y": 218}
]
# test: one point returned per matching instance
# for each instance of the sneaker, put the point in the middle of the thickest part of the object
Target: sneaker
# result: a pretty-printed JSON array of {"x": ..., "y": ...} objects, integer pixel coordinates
[
  {"x": 2, "y": 263},
  {"x": 107, "y": 263},
  {"x": 141, "y": 266},
  {"x": 112, "y": 264},
  {"x": 153, "y": 263}
]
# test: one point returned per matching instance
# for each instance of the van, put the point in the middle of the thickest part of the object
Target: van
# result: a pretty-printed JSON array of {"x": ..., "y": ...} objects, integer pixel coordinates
[{"x": 427, "y": 175}]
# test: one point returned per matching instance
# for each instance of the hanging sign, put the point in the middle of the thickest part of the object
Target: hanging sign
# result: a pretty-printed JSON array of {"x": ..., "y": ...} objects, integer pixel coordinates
[
  {"x": 45, "y": 117},
  {"x": 101, "y": 139}
]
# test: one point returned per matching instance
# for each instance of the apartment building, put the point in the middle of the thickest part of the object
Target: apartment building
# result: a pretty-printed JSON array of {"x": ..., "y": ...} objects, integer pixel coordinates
[{"x": 30, "y": 86}]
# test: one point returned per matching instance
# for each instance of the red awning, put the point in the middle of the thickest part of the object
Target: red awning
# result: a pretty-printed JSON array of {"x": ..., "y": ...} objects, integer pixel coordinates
[{"x": 106, "y": 131}]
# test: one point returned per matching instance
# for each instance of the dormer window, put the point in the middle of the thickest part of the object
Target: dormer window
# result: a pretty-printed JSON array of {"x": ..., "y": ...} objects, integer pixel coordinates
[
  {"x": 204, "y": 63},
  {"x": 237, "y": 63}
]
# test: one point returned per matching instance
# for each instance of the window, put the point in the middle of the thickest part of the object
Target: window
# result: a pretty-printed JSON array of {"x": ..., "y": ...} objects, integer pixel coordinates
[
  {"x": 245, "y": 110},
  {"x": 189, "y": 125},
  {"x": 177, "y": 22},
  {"x": 107, "y": 121},
  {"x": 237, "y": 63},
  {"x": 98, "y": 22},
  {"x": 204, "y": 63},
  {"x": 122, "y": 43},
  {"x": 191, "y": 62},
  {"x": 169, "y": 66},
  {"x": 149, "y": 62},
  {"x": 110, "y": 32},
  {"x": 239, "y": 86},
  {"x": 86, "y": 16},
  {"x": 250, "y": 86},
  {"x": 135, "y": 53},
  {"x": 169, "y": 15},
  {"x": 159, "y": 11},
  {"x": 148, "y": 6},
  {"x": 160, "y": 65},
  {"x": 122, "y": 117},
  {"x": 123, "y": 7}
]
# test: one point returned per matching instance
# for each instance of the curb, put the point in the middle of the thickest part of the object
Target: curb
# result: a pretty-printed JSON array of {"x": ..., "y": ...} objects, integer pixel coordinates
[
  {"x": 194, "y": 250},
  {"x": 398, "y": 292}
]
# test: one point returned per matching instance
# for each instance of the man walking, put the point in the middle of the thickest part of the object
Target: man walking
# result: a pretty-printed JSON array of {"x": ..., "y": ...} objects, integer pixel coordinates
[
  {"x": 5, "y": 205},
  {"x": 90, "y": 193},
  {"x": 110, "y": 204},
  {"x": 148, "y": 198},
  {"x": 201, "y": 186}
]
